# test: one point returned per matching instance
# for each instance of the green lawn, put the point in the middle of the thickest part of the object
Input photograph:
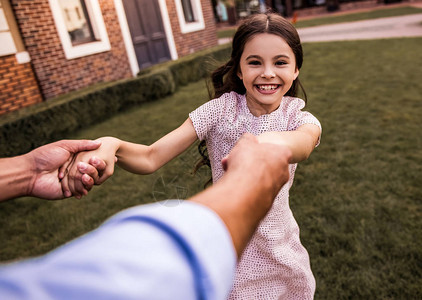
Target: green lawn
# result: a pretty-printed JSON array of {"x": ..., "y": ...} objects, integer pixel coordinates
[
  {"x": 358, "y": 199},
  {"x": 372, "y": 14}
]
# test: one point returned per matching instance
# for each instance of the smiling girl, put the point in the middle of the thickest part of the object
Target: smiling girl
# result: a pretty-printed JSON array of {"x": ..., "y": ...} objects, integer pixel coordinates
[{"x": 255, "y": 92}]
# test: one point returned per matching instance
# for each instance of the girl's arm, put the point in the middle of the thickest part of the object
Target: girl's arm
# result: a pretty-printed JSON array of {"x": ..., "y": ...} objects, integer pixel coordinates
[
  {"x": 141, "y": 159},
  {"x": 135, "y": 158},
  {"x": 301, "y": 142}
]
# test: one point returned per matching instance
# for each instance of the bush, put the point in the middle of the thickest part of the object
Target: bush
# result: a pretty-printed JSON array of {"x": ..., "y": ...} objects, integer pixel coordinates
[
  {"x": 192, "y": 68},
  {"x": 33, "y": 126}
]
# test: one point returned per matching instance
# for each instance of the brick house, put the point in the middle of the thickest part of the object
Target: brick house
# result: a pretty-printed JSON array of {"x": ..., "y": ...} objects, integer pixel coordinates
[{"x": 52, "y": 47}]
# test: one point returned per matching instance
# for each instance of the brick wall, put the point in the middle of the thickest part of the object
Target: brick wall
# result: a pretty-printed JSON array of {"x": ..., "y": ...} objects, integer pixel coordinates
[
  {"x": 56, "y": 74},
  {"x": 193, "y": 41},
  {"x": 17, "y": 85}
]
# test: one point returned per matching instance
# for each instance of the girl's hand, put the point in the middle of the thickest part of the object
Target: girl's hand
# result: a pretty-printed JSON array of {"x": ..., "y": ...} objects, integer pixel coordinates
[
  {"x": 84, "y": 170},
  {"x": 301, "y": 141}
]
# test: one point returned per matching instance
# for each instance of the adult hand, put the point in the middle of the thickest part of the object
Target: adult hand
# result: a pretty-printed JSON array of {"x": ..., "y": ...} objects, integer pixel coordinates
[
  {"x": 255, "y": 173},
  {"x": 263, "y": 164},
  {"x": 89, "y": 168},
  {"x": 44, "y": 162}
]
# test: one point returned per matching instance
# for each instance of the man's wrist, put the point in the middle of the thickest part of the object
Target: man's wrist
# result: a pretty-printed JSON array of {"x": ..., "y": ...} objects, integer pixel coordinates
[
  {"x": 254, "y": 187},
  {"x": 16, "y": 177},
  {"x": 28, "y": 165}
]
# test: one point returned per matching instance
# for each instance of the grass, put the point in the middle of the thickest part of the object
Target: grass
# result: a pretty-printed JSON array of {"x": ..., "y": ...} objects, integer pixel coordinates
[
  {"x": 357, "y": 200},
  {"x": 46, "y": 225},
  {"x": 226, "y": 33},
  {"x": 372, "y": 14}
]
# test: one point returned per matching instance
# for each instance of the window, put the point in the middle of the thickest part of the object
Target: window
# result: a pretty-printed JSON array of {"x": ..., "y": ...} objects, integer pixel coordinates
[
  {"x": 6, "y": 40},
  {"x": 77, "y": 21},
  {"x": 187, "y": 11},
  {"x": 190, "y": 15},
  {"x": 80, "y": 26}
]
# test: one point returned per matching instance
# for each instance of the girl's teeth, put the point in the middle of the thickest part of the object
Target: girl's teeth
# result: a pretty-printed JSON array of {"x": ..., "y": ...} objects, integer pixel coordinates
[{"x": 267, "y": 87}]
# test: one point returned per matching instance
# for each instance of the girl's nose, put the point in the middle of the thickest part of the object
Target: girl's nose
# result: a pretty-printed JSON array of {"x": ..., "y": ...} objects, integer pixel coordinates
[{"x": 268, "y": 73}]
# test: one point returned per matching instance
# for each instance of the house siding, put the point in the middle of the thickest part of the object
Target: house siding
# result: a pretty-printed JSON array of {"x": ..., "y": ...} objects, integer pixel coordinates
[
  {"x": 50, "y": 74},
  {"x": 56, "y": 74},
  {"x": 194, "y": 41},
  {"x": 17, "y": 84}
]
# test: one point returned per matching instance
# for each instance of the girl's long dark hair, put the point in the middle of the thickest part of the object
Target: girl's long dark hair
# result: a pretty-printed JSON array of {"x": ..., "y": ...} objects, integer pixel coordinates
[{"x": 224, "y": 79}]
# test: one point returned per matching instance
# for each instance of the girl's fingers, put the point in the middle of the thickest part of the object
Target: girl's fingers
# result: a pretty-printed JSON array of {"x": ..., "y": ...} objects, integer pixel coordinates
[
  {"x": 65, "y": 187},
  {"x": 63, "y": 169},
  {"x": 64, "y": 176},
  {"x": 106, "y": 174},
  {"x": 78, "y": 185},
  {"x": 89, "y": 170},
  {"x": 72, "y": 183},
  {"x": 100, "y": 165},
  {"x": 75, "y": 182},
  {"x": 87, "y": 181}
]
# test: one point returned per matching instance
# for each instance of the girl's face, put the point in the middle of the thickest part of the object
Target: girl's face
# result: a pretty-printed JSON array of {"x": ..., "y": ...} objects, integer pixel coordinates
[{"x": 267, "y": 69}]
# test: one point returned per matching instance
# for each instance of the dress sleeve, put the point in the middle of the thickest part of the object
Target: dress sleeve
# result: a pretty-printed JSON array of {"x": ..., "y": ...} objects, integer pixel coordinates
[
  {"x": 205, "y": 117},
  {"x": 297, "y": 117},
  {"x": 155, "y": 251}
]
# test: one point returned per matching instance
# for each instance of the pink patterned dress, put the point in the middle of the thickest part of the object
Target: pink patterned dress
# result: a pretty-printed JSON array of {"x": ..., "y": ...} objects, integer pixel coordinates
[{"x": 274, "y": 265}]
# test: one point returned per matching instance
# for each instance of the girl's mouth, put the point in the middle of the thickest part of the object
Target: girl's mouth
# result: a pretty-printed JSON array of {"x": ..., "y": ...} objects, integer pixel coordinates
[{"x": 267, "y": 87}]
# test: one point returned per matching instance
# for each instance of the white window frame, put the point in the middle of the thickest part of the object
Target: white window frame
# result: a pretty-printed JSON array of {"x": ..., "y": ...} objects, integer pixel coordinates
[
  {"x": 186, "y": 27},
  {"x": 102, "y": 43},
  {"x": 8, "y": 46}
]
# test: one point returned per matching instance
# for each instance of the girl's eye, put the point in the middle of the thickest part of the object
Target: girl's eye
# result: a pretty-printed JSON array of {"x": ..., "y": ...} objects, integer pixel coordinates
[
  {"x": 254, "y": 63},
  {"x": 280, "y": 63}
]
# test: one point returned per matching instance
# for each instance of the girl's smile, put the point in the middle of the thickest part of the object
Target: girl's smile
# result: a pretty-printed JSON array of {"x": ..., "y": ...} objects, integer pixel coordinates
[
  {"x": 267, "y": 69},
  {"x": 264, "y": 88}
]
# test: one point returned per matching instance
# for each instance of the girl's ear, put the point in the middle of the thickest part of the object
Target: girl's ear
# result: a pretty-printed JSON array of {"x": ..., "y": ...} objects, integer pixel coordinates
[
  {"x": 296, "y": 74},
  {"x": 239, "y": 74}
]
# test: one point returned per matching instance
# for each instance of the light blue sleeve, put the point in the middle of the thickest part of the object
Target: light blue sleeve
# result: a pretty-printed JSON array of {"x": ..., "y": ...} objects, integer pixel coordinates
[{"x": 151, "y": 251}]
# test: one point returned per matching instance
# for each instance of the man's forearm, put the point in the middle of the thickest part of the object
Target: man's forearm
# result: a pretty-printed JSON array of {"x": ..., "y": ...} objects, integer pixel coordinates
[
  {"x": 241, "y": 206},
  {"x": 242, "y": 197},
  {"x": 15, "y": 177}
]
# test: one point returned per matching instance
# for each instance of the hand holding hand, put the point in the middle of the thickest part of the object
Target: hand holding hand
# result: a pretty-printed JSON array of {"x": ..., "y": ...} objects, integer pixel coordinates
[
  {"x": 263, "y": 164},
  {"x": 84, "y": 170},
  {"x": 44, "y": 162},
  {"x": 255, "y": 173}
]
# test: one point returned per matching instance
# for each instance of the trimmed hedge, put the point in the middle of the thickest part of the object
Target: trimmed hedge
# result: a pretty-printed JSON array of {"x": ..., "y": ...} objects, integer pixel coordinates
[{"x": 31, "y": 127}]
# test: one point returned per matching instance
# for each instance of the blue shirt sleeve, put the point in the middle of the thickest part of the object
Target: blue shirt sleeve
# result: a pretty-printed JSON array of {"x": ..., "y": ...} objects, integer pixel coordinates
[{"x": 146, "y": 252}]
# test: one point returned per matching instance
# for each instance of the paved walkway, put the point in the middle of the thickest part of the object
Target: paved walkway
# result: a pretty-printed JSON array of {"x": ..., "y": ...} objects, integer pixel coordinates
[{"x": 392, "y": 27}]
